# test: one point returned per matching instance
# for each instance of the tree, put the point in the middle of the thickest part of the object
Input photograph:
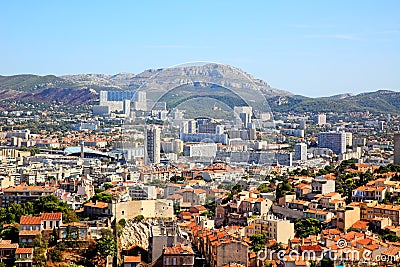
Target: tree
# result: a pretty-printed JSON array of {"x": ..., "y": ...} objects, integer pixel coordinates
[
  {"x": 326, "y": 262},
  {"x": 103, "y": 197},
  {"x": 106, "y": 246},
  {"x": 258, "y": 242},
  {"x": 40, "y": 246},
  {"x": 122, "y": 222},
  {"x": 10, "y": 233},
  {"x": 264, "y": 188},
  {"x": 139, "y": 218},
  {"x": 56, "y": 255},
  {"x": 307, "y": 227},
  {"x": 54, "y": 237},
  {"x": 236, "y": 189},
  {"x": 108, "y": 186},
  {"x": 176, "y": 179},
  {"x": 282, "y": 189}
]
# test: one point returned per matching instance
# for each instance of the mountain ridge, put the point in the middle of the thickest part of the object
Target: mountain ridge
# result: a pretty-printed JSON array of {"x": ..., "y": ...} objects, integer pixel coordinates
[{"x": 77, "y": 89}]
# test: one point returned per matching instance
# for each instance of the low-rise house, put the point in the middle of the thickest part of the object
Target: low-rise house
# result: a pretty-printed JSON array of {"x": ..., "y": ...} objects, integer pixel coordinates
[
  {"x": 321, "y": 215},
  {"x": 193, "y": 196},
  {"x": 299, "y": 204},
  {"x": 31, "y": 226},
  {"x": 332, "y": 201},
  {"x": 363, "y": 193},
  {"x": 7, "y": 250},
  {"x": 23, "y": 257},
  {"x": 132, "y": 261},
  {"x": 74, "y": 231},
  {"x": 179, "y": 255},
  {"x": 323, "y": 185},
  {"x": 303, "y": 190}
]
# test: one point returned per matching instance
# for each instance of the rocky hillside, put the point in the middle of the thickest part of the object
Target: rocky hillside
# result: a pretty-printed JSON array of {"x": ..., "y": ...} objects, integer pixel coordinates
[{"x": 135, "y": 234}]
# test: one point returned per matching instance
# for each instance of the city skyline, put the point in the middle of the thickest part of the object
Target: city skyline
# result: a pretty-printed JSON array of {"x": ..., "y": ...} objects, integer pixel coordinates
[{"x": 313, "y": 49}]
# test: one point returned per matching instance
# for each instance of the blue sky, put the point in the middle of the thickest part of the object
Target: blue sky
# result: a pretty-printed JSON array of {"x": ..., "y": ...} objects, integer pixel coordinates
[{"x": 313, "y": 48}]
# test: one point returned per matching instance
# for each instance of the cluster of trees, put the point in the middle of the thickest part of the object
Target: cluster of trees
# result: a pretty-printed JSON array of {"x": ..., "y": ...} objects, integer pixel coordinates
[
  {"x": 264, "y": 188},
  {"x": 258, "y": 242},
  {"x": 103, "y": 197},
  {"x": 50, "y": 203},
  {"x": 283, "y": 188},
  {"x": 307, "y": 227}
]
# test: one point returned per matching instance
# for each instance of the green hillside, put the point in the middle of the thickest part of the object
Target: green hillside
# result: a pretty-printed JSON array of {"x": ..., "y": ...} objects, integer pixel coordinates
[{"x": 382, "y": 101}]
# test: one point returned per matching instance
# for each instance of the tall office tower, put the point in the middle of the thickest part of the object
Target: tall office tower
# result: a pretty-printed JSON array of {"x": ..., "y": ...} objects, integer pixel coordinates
[
  {"x": 126, "y": 107},
  {"x": 321, "y": 119},
  {"x": 244, "y": 114},
  {"x": 336, "y": 141},
  {"x": 192, "y": 126},
  {"x": 381, "y": 125},
  {"x": 140, "y": 100},
  {"x": 300, "y": 151},
  {"x": 152, "y": 145},
  {"x": 349, "y": 139},
  {"x": 397, "y": 148},
  {"x": 103, "y": 97},
  {"x": 303, "y": 125}
]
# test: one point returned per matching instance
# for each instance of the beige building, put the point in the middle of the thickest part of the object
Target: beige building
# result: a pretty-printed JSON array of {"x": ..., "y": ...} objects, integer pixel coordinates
[
  {"x": 272, "y": 227},
  {"x": 158, "y": 208},
  {"x": 347, "y": 216}
]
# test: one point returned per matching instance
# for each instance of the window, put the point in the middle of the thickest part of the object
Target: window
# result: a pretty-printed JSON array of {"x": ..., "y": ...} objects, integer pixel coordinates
[
  {"x": 174, "y": 261},
  {"x": 123, "y": 212}
]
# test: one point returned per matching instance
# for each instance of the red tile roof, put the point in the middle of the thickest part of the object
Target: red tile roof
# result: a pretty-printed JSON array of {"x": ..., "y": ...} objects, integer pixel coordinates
[
  {"x": 131, "y": 259},
  {"x": 6, "y": 244},
  {"x": 52, "y": 216},
  {"x": 24, "y": 251},
  {"x": 178, "y": 249},
  {"x": 360, "y": 225},
  {"x": 30, "y": 220}
]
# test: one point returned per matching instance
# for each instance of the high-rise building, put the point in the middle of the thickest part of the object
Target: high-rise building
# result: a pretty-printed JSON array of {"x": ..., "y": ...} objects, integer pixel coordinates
[
  {"x": 300, "y": 151},
  {"x": 126, "y": 107},
  {"x": 321, "y": 119},
  {"x": 152, "y": 145},
  {"x": 336, "y": 141},
  {"x": 397, "y": 148},
  {"x": 140, "y": 100},
  {"x": 303, "y": 125},
  {"x": 349, "y": 139},
  {"x": 381, "y": 125},
  {"x": 244, "y": 115}
]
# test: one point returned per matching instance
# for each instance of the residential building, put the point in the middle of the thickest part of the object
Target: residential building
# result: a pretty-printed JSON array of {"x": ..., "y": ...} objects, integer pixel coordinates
[
  {"x": 179, "y": 255},
  {"x": 336, "y": 141},
  {"x": 323, "y": 185},
  {"x": 300, "y": 151},
  {"x": 24, "y": 193},
  {"x": 347, "y": 216},
  {"x": 152, "y": 145}
]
